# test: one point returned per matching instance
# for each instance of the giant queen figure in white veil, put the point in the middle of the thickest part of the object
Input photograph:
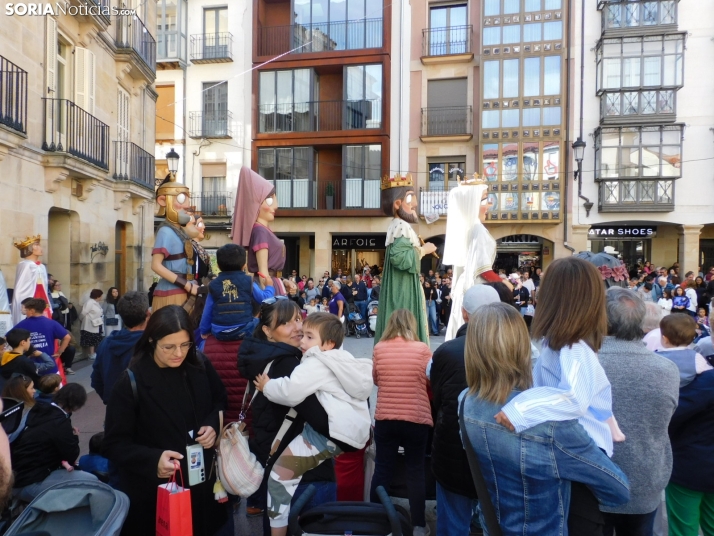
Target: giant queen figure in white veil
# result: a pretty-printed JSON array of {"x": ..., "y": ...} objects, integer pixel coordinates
[{"x": 469, "y": 249}]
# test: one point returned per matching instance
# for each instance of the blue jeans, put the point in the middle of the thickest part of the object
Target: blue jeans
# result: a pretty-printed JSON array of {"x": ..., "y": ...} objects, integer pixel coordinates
[
  {"x": 431, "y": 312},
  {"x": 454, "y": 513},
  {"x": 362, "y": 308}
]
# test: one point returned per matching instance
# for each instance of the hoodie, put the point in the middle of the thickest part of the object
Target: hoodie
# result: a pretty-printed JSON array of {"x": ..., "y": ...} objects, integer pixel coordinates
[
  {"x": 342, "y": 384},
  {"x": 113, "y": 356},
  {"x": 253, "y": 356},
  {"x": 13, "y": 362}
]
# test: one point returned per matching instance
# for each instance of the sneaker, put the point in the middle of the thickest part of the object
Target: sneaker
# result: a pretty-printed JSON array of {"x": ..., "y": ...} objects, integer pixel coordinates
[
  {"x": 253, "y": 511},
  {"x": 93, "y": 357},
  {"x": 68, "y": 371},
  {"x": 421, "y": 531}
]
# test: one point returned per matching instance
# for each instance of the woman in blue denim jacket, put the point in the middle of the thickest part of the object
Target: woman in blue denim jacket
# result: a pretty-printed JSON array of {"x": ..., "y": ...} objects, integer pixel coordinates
[{"x": 528, "y": 475}]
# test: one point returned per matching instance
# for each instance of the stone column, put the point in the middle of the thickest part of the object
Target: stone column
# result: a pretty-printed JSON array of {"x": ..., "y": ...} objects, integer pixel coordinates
[
  {"x": 578, "y": 239},
  {"x": 323, "y": 250},
  {"x": 689, "y": 248}
]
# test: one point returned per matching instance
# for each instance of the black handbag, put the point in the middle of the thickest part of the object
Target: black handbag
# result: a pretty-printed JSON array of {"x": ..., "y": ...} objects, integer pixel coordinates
[{"x": 112, "y": 321}]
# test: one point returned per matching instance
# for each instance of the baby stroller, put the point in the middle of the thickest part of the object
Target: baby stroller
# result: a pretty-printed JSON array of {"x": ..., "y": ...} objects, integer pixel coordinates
[
  {"x": 346, "y": 517},
  {"x": 372, "y": 308},
  {"x": 74, "y": 508},
  {"x": 355, "y": 323}
]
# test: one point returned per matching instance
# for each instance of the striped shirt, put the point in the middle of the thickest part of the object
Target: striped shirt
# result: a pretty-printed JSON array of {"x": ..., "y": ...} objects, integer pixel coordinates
[{"x": 569, "y": 384}]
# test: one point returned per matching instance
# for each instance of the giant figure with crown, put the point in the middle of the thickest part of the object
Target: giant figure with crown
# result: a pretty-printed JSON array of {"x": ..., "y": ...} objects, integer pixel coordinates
[
  {"x": 469, "y": 248},
  {"x": 400, "y": 279},
  {"x": 30, "y": 277}
]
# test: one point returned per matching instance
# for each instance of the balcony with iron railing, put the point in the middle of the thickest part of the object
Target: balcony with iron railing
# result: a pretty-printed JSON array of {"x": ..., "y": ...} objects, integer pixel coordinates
[
  {"x": 320, "y": 37},
  {"x": 450, "y": 44},
  {"x": 132, "y": 163},
  {"x": 70, "y": 129},
  {"x": 319, "y": 116},
  {"x": 213, "y": 124},
  {"x": 100, "y": 10},
  {"x": 134, "y": 38},
  {"x": 643, "y": 106},
  {"x": 13, "y": 96},
  {"x": 212, "y": 48},
  {"x": 433, "y": 200},
  {"x": 447, "y": 123},
  {"x": 213, "y": 204},
  {"x": 638, "y": 16}
]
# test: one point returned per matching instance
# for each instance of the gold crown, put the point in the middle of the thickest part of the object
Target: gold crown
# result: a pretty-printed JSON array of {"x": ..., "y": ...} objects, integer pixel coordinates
[
  {"x": 397, "y": 181},
  {"x": 22, "y": 244},
  {"x": 476, "y": 180}
]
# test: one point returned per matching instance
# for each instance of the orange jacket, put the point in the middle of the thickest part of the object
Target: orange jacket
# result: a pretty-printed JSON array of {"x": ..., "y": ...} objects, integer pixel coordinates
[{"x": 399, "y": 371}]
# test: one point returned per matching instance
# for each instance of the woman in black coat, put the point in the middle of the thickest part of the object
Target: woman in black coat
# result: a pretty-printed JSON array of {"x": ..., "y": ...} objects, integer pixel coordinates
[
  {"x": 178, "y": 397},
  {"x": 276, "y": 342}
]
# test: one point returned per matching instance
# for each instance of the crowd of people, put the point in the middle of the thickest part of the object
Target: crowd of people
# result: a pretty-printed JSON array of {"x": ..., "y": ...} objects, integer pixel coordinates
[{"x": 544, "y": 413}]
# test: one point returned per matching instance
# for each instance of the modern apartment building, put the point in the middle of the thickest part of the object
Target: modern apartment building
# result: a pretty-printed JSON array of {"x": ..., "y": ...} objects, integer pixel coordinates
[
  {"x": 76, "y": 141},
  {"x": 204, "y": 96},
  {"x": 647, "y": 124},
  {"x": 488, "y": 96},
  {"x": 323, "y": 125}
]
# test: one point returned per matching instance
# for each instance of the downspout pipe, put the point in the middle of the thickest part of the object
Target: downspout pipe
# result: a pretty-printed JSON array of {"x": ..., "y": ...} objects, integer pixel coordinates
[
  {"x": 566, "y": 182},
  {"x": 588, "y": 204}
]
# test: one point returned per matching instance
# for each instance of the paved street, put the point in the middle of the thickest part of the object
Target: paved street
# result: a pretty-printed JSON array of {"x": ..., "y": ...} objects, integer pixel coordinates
[{"x": 90, "y": 419}]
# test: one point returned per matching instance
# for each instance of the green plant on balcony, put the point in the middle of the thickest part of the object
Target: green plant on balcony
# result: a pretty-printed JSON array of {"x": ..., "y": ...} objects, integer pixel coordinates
[{"x": 329, "y": 196}]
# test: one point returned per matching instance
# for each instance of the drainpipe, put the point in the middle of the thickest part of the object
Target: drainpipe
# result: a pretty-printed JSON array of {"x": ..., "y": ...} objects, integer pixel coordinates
[
  {"x": 566, "y": 181},
  {"x": 401, "y": 84},
  {"x": 588, "y": 204}
]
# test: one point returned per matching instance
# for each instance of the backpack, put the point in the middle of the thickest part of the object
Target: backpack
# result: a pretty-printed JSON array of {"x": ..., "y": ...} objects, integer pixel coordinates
[{"x": 238, "y": 468}]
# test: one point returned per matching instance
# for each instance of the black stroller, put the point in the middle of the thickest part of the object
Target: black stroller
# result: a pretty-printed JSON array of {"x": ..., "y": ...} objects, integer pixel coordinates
[
  {"x": 356, "y": 325},
  {"x": 74, "y": 508},
  {"x": 358, "y": 518}
]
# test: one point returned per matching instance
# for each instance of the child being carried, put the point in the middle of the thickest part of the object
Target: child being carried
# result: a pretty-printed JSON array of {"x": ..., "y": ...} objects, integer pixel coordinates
[{"x": 342, "y": 385}]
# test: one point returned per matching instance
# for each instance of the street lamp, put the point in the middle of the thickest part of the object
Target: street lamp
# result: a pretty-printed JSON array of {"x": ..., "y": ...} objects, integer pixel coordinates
[
  {"x": 579, "y": 150},
  {"x": 172, "y": 157}
]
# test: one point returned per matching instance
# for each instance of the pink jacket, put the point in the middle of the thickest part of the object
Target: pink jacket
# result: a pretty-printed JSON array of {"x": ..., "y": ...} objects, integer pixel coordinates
[{"x": 399, "y": 371}]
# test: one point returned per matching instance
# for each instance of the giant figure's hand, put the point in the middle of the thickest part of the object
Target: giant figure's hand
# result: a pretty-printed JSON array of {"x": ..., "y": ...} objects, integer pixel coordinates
[{"x": 428, "y": 248}]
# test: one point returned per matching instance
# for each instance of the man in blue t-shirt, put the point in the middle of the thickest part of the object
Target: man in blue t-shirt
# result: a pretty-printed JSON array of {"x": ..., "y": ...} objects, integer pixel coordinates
[{"x": 43, "y": 331}]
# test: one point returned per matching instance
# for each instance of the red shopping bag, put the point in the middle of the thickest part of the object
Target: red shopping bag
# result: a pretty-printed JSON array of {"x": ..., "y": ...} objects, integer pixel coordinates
[{"x": 173, "y": 509}]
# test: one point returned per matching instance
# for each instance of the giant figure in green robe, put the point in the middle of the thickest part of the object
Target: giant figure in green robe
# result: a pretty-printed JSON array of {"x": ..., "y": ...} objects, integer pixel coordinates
[{"x": 400, "y": 279}]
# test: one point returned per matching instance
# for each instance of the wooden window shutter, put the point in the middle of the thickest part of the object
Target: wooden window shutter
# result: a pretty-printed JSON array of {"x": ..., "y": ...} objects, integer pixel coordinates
[
  {"x": 123, "y": 116},
  {"x": 51, "y": 56},
  {"x": 84, "y": 79}
]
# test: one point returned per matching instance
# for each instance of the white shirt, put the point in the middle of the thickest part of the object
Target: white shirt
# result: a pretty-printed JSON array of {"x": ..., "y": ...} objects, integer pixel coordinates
[
  {"x": 530, "y": 285},
  {"x": 692, "y": 295}
]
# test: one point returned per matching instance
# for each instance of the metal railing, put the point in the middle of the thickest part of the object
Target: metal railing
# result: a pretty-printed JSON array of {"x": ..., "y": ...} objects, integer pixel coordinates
[
  {"x": 216, "y": 124},
  {"x": 132, "y": 34},
  {"x": 13, "y": 96},
  {"x": 447, "y": 121},
  {"x": 212, "y": 47},
  {"x": 434, "y": 200},
  {"x": 319, "y": 116},
  {"x": 132, "y": 163},
  {"x": 320, "y": 37},
  {"x": 68, "y": 128},
  {"x": 213, "y": 203},
  {"x": 104, "y": 9},
  {"x": 446, "y": 41}
]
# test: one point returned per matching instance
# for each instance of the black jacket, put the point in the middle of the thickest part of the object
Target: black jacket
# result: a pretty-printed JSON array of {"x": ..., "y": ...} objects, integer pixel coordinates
[
  {"x": 21, "y": 365},
  {"x": 448, "y": 378},
  {"x": 253, "y": 356},
  {"x": 48, "y": 439},
  {"x": 171, "y": 402},
  {"x": 375, "y": 293}
]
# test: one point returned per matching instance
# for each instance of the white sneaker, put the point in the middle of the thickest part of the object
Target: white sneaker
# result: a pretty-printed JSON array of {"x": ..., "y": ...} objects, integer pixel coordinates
[
  {"x": 421, "y": 531},
  {"x": 92, "y": 357}
]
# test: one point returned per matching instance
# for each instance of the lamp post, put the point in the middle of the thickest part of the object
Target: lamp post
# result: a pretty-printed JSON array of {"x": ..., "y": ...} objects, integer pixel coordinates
[
  {"x": 172, "y": 158},
  {"x": 579, "y": 152}
]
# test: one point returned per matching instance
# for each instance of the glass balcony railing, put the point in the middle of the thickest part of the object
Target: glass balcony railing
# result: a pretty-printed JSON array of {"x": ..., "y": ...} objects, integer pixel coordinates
[
  {"x": 320, "y": 116},
  {"x": 320, "y": 37}
]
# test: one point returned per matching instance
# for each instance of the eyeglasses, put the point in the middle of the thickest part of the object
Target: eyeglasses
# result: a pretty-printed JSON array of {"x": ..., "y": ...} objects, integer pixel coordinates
[
  {"x": 271, "y": 301},
  {"x": 171, "y": 348}
]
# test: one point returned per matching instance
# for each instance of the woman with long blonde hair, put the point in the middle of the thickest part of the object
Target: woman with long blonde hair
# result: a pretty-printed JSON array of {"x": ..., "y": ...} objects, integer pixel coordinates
[
  {"x": 403, "y": 415},
  {"x": 528, "y": 475}
]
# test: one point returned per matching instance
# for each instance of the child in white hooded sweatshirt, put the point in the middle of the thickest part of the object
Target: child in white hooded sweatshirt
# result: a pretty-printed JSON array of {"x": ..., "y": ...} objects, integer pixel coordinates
[{"x": 342, "y": 384}]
